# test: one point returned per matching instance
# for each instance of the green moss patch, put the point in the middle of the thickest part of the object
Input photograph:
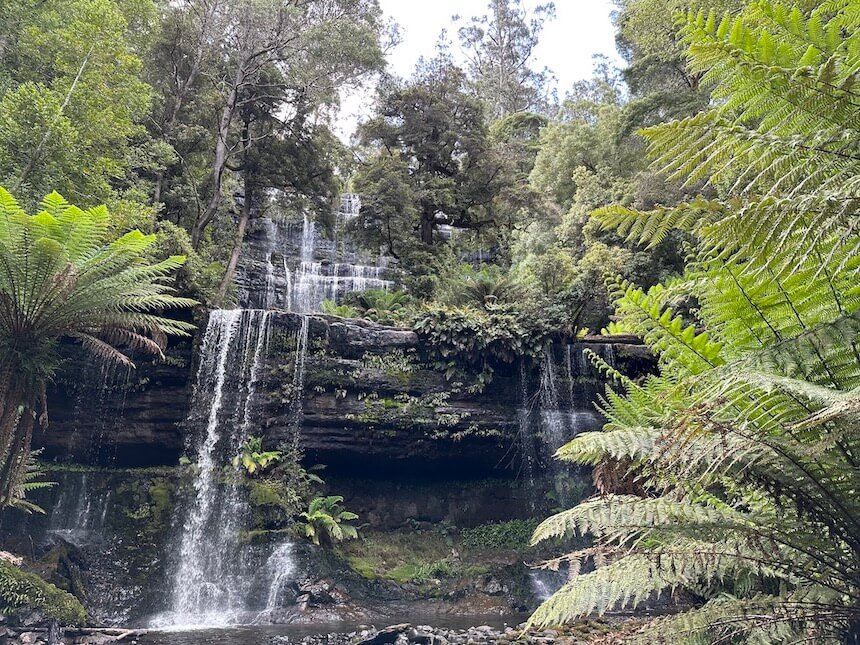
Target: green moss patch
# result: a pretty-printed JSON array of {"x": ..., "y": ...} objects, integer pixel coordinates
[{"x": 21, "y": 591}]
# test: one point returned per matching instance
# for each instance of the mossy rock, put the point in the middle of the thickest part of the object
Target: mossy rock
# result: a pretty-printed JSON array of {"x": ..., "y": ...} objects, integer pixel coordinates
[{"x": 21, "y": 591}]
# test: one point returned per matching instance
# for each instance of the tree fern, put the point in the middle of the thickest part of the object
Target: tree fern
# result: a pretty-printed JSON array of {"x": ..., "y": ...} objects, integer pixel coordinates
[
  {"x": 62, "y": 278},
  {"x": 746, "y": 446}
]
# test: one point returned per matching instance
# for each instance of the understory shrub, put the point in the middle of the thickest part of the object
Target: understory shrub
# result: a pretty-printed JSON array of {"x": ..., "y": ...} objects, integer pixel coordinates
[{"x": 514, "y": 534}]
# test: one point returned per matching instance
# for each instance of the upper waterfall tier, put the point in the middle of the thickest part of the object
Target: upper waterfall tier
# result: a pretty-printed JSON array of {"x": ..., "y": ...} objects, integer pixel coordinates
[{"x": 291, "y": 265}]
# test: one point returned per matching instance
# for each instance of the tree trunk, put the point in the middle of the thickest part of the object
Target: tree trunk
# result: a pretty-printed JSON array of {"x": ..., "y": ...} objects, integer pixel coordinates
[
  {"x": 244, "y": 217},
  {"x": 428, "y": 221},
  {"x": 16, "y": 432},
  {"x": 219, "y": 163}
]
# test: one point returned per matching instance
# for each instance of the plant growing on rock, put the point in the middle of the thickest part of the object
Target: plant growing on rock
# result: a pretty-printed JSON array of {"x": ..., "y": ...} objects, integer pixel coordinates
[
  {"x": 29, "y": 481},
  {"x": 325, "y": 521},
  {"x": 64, "y": 279},
  {"x": 21, "y": 591},
  {"x": 253, "y": 458},
  {"x": 331, "y": 308},
  {"x": 465, "y": 340},
  {"x": 384, "y": 307}
]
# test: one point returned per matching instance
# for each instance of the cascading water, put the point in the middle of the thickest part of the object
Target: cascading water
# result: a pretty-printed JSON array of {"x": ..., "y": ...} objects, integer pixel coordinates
[
  {"x": 210, "y": 584},
  {"x": 79, "y": 514},
  {"x": 281, "y": 569},
  {"x": 288, "y": 265},
  {"x": 316, "y": 282},
  {"x": 214, "y": 577},
  {"x": 562, "y": 415}
]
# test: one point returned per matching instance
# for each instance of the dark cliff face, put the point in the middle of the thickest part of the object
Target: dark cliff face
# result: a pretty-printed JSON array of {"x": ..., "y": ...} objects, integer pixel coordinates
[{"x": 371, "y": 404}]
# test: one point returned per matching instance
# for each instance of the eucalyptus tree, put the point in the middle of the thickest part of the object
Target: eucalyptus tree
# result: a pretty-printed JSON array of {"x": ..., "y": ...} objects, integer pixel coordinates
[
  {"x": 180, "y": 72},
  {"x": 734, "y": 472},
  {"x": 499, "y": 47},
  {"x": 316, "y": 48},
  {"x": 64, "y": 279}
]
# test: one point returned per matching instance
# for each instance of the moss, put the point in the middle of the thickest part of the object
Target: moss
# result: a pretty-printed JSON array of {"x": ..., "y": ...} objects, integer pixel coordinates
[
  {"x": 404, "y": 573},
  {"x": 161, "y": 495},
  {"x": 265, "y": 536},
  {"x": 20, "y": 590},
  {"x": 403, "y": 555},
  {"x": 363, "y": 567},
  {"x": 149, "y": 471}
]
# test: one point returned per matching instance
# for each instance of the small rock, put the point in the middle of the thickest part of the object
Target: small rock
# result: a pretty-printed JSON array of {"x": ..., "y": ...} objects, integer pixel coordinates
[{"x": 387, "y": 635}]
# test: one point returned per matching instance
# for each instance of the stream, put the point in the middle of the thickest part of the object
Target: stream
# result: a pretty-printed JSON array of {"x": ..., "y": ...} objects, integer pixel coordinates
[{"x": 281, "y": 634}]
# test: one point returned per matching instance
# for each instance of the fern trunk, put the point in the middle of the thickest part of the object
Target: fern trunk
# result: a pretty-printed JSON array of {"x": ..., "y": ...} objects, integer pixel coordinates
[{"x": 17, "y": 421}]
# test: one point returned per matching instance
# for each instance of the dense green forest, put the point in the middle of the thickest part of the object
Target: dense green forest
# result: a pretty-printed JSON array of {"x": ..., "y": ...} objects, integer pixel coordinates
[{"x": 703, "y": 199}]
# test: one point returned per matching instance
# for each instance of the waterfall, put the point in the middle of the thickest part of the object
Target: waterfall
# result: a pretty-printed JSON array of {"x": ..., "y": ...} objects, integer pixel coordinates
[
  {"x": 317, "y": 281},
  {"x": 554, "y": 421},
  {"x": 288, "y": 283},
  {"x": 80, "y": 512},
  {"x": 526, "y": 440},
  {"x": 209, "y": 583},
  {"x": 544, "y": 583},
  {"x": 270, "y": 279},
  {"x": 350, "y": 205},
  {"x": 281, "y": 569},
  {"x": 561, "y": 418},
  {"x": 297, "y": 269}
]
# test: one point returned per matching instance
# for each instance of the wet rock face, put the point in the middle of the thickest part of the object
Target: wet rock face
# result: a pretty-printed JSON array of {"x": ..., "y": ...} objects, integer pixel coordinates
[
  {"x": 102, "y": 538},
  {"x": 372, "y": 402},
  {"x": 120, "y": 417}
]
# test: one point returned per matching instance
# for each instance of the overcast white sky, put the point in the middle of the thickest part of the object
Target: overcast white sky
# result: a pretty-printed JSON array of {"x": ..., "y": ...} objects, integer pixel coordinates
[{"x": 581, "y": 29}]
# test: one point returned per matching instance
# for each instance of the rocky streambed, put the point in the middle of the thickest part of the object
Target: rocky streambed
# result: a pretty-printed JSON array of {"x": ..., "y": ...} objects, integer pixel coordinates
[
  {"x": 334, "y": 634},
  {"x": 406, "y": 634}
]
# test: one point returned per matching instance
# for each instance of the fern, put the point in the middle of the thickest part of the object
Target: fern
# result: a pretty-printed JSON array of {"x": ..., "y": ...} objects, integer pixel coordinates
[
  {"x": 745, "y": 449},
  {"x": 63, "y": 278}
]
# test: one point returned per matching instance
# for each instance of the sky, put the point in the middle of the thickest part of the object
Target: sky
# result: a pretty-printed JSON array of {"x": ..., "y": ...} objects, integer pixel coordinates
[{"x": 581, "y": 29}]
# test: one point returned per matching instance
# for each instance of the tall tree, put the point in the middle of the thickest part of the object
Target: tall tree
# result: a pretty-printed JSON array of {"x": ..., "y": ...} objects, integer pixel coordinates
[
  {"x": 64, "y": 279},
  {"x": 182, "y": 57},
  {"x": 317, "y": 46},
  {"x": 288, "y": 161},
  {"x": 499, "y": 46},
  {"x": 662, "y": 85},
  {"x": 438, "y": 130}
]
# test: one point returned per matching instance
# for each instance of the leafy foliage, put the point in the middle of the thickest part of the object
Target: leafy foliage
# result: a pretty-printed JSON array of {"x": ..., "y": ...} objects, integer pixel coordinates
[
  {"x": 331, "y": 308},
  {"x": 734, "y": 472},
  {"x": 253, "y": 458},
  {"x": 21, "y": 591},
  {"x": 513, "y": 534},
  {"x": 465, "y": 339},
  {"x": 30, "y": 480},
  {"x": 325, "y": 521},
  {"x": 382, "y": 306}
]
